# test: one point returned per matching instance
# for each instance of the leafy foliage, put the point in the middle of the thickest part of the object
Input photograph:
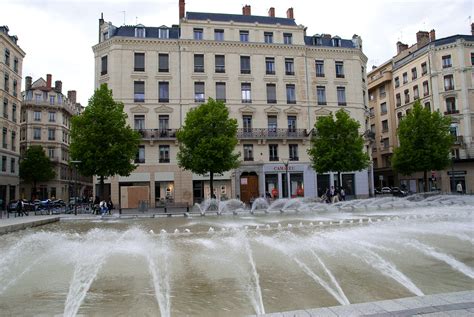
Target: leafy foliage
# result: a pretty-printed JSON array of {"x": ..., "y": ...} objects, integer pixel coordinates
[
  {"x": 207, "y": 140},
  {"x": 101, "y": 138},
  {"x": 36, "y": 167},
  {"x": 425, "y": 142},
  {"x": 337, "y": 145}
]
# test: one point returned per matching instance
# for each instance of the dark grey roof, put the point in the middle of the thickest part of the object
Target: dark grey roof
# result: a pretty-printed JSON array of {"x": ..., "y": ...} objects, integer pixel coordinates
[
  {"x": 453, "y": 38},
  {"x": 311, "y": 41},
  {"x": 150, "y": 32},
  {"x": 221, "y": 17}
]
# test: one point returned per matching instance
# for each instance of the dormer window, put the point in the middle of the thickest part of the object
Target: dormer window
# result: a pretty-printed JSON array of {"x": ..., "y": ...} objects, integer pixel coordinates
[
  {"x": 318, "y": 41},
  {"x": 336, "y": 42},
  {"x": 163, "y": 33},
  {"x": 140, "y": 31}
]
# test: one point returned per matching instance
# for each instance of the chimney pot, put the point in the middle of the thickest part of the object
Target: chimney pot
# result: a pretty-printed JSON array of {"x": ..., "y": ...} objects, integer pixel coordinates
[
  {"x": 271, "y": 12},
  {"x": 58, "y": 86},
  {"x": 246, "y": 10},
  {"x": 71, "y": 95},
  {"x": 181, "y": 9},
  {"x": 48, "y": 80},
  {"x": 28, "y": 81},
  {"x": 401, "y": 47},
  {"x": 422, "y": 38},
  {"x": 472, "y": 28},
  {"x": 432, "y": 35},
  {"x": 289, "y": 13}
]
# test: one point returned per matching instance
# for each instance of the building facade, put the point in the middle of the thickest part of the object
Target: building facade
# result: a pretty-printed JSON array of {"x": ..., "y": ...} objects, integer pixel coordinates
[
  {"x": 439, "y": 73},
  {"x": 46, "y": 121},
  {"x": 275, "y": 80},
  {"x": 11, "y": 65}
]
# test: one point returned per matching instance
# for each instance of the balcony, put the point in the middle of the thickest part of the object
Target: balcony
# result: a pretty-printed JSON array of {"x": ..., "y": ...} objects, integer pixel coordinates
[
  {"x": 459, "y": 140},
  {"x": 164, "y": 160},
  {"x": 274, "y": 158},
  {"x": 265, "y": 133},
  {"x": 451, "y": 112},
  {"x": 158, "y": 134},
  {"x": 294, "y": 158}
]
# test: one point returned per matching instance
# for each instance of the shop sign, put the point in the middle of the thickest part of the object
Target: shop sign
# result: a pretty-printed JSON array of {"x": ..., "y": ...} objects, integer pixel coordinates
[{"x": 457, "y": 173}]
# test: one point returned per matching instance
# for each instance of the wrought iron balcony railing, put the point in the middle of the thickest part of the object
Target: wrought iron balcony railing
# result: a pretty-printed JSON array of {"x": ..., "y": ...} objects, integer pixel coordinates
[
  {"x": 153, "y": 134},
  {"x": 265, "y": 133}
]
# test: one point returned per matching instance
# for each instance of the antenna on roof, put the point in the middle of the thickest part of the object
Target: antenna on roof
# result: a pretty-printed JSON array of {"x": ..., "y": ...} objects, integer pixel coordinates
[{"x": 123, "y": 17}]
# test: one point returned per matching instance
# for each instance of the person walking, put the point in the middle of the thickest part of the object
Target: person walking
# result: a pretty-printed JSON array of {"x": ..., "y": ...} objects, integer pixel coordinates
[
  {"x": 19, "y": 208},
  {"x": 459, "y": 188},
  {"x": 343, "y": 194}
]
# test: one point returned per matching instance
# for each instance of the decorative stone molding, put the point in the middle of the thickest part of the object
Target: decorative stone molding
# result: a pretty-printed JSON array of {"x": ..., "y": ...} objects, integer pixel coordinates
[
  {"x": 139, "y": 109},
  {"x": 272, "y": 110},
  {"x": 163, "y": 109},
  {"x": 247, "y": 109},
  {"x": 292, "y": 110}
]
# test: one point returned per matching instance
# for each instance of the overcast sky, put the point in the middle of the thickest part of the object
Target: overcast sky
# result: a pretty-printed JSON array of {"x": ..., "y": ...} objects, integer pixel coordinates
[{"x": 58, "y": 35}]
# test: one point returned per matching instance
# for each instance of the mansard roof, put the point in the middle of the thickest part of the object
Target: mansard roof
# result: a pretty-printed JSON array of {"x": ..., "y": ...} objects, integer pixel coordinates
[
  {"x": 222, "y": 17},
  {"x": 324, "y": 41},
  {"x": 150, "y": 32}
]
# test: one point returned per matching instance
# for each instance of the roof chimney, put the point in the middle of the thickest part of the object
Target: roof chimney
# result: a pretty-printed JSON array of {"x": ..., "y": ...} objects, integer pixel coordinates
[
  {"x": 432, "y": 35},
  {"x": 289, "y": 13},
  {"x": 246, "y": 10},
  {"x": 271, "y": 12},
  {"x": 71, "y": 95},
  {"x": 422, "y": 38},
  {"x": 401, "y": 47},
  {"x": 181, "y": 9},
  {"x": 472, "y": 28},
  {"x": 48, "y": 80},
  {"x": 28, "y": 81},
  {"x": 58, "y": 86}
]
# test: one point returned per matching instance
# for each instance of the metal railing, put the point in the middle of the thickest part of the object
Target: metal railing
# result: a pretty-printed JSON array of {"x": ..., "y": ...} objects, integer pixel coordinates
[
  {"x": 153, "y": 134},
  {"x": 265, "y": 133}
]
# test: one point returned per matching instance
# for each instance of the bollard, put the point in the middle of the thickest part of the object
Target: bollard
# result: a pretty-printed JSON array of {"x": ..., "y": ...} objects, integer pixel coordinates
[{"x": 120, "y": 210}]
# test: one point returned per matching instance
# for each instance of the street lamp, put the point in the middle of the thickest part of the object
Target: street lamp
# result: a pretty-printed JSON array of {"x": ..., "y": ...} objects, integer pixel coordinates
[
  {"x": 286, "y": 162},
  {"x": 453, "y": 185},
  {"x": 76, "y": 163}
]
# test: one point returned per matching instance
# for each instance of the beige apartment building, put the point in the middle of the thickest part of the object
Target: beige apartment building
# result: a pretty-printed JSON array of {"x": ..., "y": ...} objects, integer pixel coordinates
[
  {"x": 439, "y": 73},
  {"x": 11, "y": 64},
  {"x": 46, "y": 120},
  {"x": 275, "y": 80}
]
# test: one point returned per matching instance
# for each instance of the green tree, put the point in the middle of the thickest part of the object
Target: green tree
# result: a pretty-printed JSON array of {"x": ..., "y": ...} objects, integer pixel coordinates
[
  {"x": 337, "y": 146},
  {"x": 101, "y": 139},
  {"x": 207, "y": 140},
  {"x": 425, "y": 142},
  {"x": 36, "y": 167}
]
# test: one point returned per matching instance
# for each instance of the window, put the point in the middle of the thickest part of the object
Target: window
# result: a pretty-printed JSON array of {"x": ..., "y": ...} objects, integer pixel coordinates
[
  {"x": 385, "y": 143},
  {"x": 6, "y": 85},
  {"x": 163, "y": 124},
  {"x": 341, "y": 96},
  {"x": 51, "y": 152},
  {"x": 52, "y": 99},
  {"x": 14, "y": 112},
  {"x": 139, "y": 122},
  {"x": 446, "y": 61},
  {"x": 270, "y": 65},
  {"x": 290, "y": 94},
  {"x": 472, "y": 58},
  {"x": 448, "y": 82},
  {"x": 372, "y": 128},
  {"x": 163, "y": 63},
  {"x": 247, "y": 123},
  {"x": 416, "y": 93},
  {"x": 405, "y": 78},
  {"x": 451, "y": 106},
  {"x": 426, "y": 89},
  {"x": 424, "y": 69},
  {"x": 198, "y": 63},
  {"x": 4, "y": 138},
  {"x": 272, "y": 124},
  {"x": 428, "y": 106},
  {"x": 220, "y": 92},
  {"x": 382, "y": 92},
  {"x": 52, "y": 116},
  {"x": 12, "y": 165},
  {"x": 398, "y": 100},
  {"x": 140, "y": 32},
  {"x": 248, "y": 152},
  {"x": 37, "y": 115},
  {"x": 219, "y": 35},
  {"x": 140, "y": 158},
  {"x": 384, "y": 125},
  {"x": 103, "y": 68},
  {"x": 336, "y": 42},
  {"x": 291, "y": 123},
  {"x": 397, "y": 82},
  {"x": 246, "y": 92},
  {"x": 199, "y": 92},
  {"x": 407, "y": 96},
  {"x": 287, "y": 38},
  {"x": 15, "y": 65},
  {"x": 268, "y": 37},
  {"x": 51, "y": 134},
  {"x": 164, "y": 153},
  {"x": 399, "y": 116},
  {"x": 5, "y": 108},
  {"x": 273, "y": 152},
  {"x": 414, "y": 74},
  {"x": 139, "y": 62},
  {"x": 271, "y": 93},
  {"x": 340, "y": 69},
  {"x": 163, "y": 91},
  {"x": 197, "y": 34},
  {"x": 319, "y": 68},
  {"x": 13, "y": 144},
  {"x": 15, "y": 88},
  {"x": 383, "y": 108},
  {"x": 244, "y": 36},
  {"x": 7, "y": 56},
  {"x": 163, "y": 33},
  {"x": 245, "y": 64},
  {"x": 4, "y": 163},
  {"x": 293, "y": 152},
  {"x": 139, "y": 91},
  {"x": 36, "y": 133},
  {"x": 321, "y": 95},
  {"x": 220, "y": 63},
  {"x": 289, "y": 66}
]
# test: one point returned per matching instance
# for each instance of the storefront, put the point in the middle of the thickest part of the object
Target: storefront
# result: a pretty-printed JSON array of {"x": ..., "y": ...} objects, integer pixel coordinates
[{"x": 293, "y": 180}]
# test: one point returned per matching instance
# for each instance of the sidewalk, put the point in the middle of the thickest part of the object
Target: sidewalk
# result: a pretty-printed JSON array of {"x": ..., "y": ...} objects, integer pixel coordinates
[{"x": 20, "y": 223}]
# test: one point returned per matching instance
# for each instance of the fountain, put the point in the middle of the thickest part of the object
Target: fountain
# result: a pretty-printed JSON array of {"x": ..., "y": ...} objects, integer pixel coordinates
[{"x": 237, "y": 261}]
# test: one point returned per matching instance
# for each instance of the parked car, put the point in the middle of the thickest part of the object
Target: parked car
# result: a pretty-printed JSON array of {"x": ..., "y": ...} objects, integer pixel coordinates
[
  {"x": 399, "y": 192},
  {"x": 386, "y": 190}
]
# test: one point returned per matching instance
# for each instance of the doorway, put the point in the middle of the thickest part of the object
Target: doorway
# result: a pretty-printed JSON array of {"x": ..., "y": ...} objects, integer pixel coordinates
[{"x": 248, "y": 187}]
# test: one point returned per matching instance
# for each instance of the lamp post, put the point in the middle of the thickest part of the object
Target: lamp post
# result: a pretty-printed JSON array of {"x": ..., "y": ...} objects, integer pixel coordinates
[
  {"x": 453, "y": 185},
  {"x": 75, "y": 186},
  {"x": 286, "y": 162}
]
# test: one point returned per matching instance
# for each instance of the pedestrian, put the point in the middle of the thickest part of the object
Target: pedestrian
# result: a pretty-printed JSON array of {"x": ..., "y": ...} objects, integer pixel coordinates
[
  {"x": 19, "y": 208},
  {"x": 110, "y": 205},
  {"x": 103, "y": 207},
  {"x": 96, "y": 206},
  {"x": 343, "y": 194},
  {"x": 459, "y": 188}
]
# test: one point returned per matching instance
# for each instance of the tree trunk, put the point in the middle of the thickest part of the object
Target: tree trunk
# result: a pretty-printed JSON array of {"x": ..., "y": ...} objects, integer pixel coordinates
[
  {"x": 425, "y": 178},
  {"x": 339, "y": 180},
  {"x": 101, "y": 188},
  {"x": 211, "y": 184},
  {"x": 33, "y": 191}
]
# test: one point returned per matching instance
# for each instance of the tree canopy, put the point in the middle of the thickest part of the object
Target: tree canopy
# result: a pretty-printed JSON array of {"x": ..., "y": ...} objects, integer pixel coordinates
[
  {"x": 425, "y": 142},
  {"x": 207, "y": 140},
  {"x": 102, "y": 140},
  {"x": 36, "y": 167},
  {"x": 337, "y": 146}
]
